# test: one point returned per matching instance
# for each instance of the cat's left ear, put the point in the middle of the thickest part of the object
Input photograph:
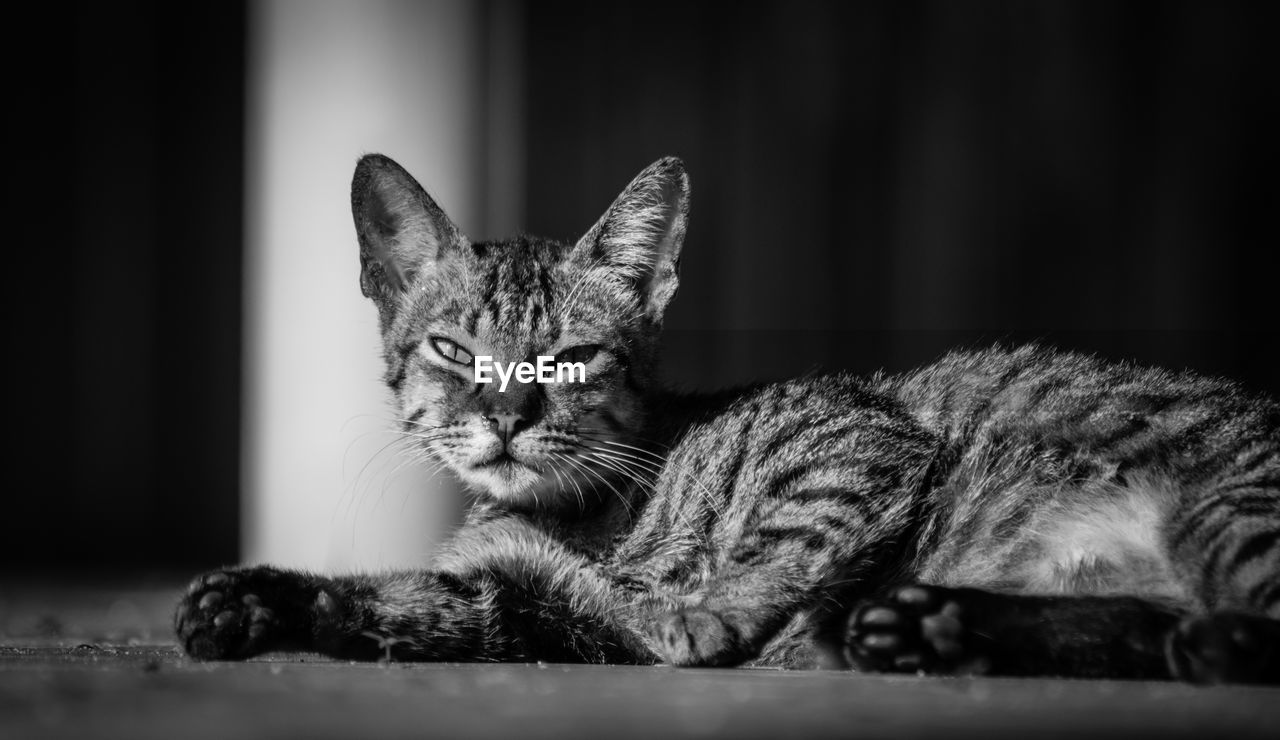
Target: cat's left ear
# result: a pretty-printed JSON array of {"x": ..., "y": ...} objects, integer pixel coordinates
[
  {"x": 640, "y": 236},
  {"x": 403, "y": 233}
]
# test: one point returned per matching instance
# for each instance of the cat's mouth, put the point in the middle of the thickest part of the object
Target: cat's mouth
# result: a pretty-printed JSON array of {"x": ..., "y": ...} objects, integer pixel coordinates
[
  {"x": 507, "y": 477},
  {"x": 505, "y": 463},
  {"x": 500, "y": 461}
]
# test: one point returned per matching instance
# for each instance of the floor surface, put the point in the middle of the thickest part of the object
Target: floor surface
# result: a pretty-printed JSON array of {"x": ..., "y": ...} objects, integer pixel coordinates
[{"x": 98, "y": 662}]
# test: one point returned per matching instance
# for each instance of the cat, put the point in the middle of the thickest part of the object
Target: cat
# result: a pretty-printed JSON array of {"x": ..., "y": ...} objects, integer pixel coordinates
[{"x": 1019, "y": 511}]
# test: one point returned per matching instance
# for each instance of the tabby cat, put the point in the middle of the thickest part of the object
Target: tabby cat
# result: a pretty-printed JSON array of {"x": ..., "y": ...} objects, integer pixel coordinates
[{"x": 1016, "y": 512}]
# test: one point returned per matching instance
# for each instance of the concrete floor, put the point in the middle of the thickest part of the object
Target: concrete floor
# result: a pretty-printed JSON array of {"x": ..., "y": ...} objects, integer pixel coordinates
[{"x": 97, "y": 662}]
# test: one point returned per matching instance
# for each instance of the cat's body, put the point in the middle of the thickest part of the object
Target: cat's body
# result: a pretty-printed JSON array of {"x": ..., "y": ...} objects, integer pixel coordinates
[{"x": 1066, "y": 516}]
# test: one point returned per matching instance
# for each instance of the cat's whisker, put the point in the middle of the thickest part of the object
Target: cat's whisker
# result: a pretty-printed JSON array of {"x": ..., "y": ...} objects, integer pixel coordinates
[
  {"x": 621, "y": 497},
  {"x": 596, "y": 444},
  {"x": 654, "y": 463},
  {"x": 555, "y": 470},
  {"x": 578, "y": 464},
  {"x": 595, "y": 432},
  {"x": 354, "y": 441},
  {"x": 417, "y": 423},
  {"x": 582, "y": 499},
  {"x": 709, "y": 497},
  {"x": 620, "y": 467},
  {"x": 396, "y": 437},
  {"x": 679, "y": 511},
  {"x": 633, "y": 471},
  {"x": 629, "y": 464},
  {"x": 424, "y": 456},
  {"x": 638, "y": 461},
  {"x": 427, "y": 461},
  {"x": 632, "y": 450},
  {"x": 643, "y": 485},
  {"x": 423, "y": 449},
  {"x": 352, "y": 492}
]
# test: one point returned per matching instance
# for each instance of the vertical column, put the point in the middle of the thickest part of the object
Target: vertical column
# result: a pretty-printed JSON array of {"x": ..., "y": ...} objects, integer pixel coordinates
[{"x": 324, "y": 485}]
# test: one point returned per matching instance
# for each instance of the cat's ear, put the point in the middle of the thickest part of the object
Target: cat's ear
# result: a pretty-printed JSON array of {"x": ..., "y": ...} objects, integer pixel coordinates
[
  {"x": 640, "y": 236},
  {"x": 401, "y": 229}
]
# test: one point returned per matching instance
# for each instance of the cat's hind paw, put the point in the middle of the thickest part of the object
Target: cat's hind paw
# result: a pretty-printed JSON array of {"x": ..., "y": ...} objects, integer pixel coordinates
[
  {"x": 695, "y": 636},
  {"x": 1225, "y": 648},
  {"x": 222, "y": 615},
  {"x": 914, "y": 629}
]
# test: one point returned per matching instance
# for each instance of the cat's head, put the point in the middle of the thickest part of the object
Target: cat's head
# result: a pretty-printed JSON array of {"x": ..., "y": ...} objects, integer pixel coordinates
[{"x": 443, "y": 301}]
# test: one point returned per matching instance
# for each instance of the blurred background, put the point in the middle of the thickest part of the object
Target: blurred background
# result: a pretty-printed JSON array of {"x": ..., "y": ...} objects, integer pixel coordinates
[{"x": 195, "y": 376}]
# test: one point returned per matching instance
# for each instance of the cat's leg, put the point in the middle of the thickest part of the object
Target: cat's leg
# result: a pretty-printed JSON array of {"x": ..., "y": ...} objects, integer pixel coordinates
[
  {"x": 1227, "y": 543},
  {"x": 950, "y": 631},
  {"x": 1225, "y": 647},
  {"x": 1220, "y": 538},
  {"x": 241, "y": 612},
  {"x": 795, "y": 555},
  {"x": 509, "y": 594},
  {"x": 801, "y": 494}
]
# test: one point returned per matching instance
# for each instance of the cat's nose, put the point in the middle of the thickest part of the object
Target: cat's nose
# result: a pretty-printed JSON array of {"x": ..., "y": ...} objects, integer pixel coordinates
[{"x": 506, "y": 425}]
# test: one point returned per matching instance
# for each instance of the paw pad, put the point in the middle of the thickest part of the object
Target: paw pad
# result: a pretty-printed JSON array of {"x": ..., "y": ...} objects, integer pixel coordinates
[
  {"x": 219, "y": 617},
  {"x": 914, "y": 628}
]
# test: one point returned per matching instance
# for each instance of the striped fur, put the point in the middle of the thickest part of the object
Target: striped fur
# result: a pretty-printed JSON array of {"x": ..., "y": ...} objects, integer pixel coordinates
[{"x": 1063, "y": 502}]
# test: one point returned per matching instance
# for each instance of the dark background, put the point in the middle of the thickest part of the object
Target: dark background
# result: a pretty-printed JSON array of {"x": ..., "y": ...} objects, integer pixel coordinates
[{"x": 874, "y": 183}]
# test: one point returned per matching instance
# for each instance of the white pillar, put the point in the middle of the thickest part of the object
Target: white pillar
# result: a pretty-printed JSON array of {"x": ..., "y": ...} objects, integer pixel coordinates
[{"x": 330, "y": 81}]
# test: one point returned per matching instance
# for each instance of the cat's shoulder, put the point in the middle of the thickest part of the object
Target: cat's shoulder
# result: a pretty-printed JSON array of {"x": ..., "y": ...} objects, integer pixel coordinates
[{"x": 812, "y": 396}]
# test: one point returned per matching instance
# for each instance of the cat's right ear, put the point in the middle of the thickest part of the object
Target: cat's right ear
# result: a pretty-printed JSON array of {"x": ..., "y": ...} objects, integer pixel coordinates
[
  {"x": 639, "y": 237},
  {"x": 401, "y": 229}
]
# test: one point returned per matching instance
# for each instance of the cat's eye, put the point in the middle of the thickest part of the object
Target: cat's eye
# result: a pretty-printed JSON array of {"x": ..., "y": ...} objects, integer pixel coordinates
[
  {"x": 582, "y": 353},
  {"x": 451, "y": 350}
]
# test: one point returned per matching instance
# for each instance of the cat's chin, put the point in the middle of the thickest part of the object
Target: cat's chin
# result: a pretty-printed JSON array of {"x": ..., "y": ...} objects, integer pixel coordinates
[{"x": 512, "y": 482}]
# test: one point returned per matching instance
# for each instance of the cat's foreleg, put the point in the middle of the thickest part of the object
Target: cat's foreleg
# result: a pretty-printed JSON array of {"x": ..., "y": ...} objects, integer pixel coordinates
[
  {"x": 508, "y": 595},
  {"x": 800, "y": 550},
  {"x": 237, "y": 613},
  {"x": 241, "y": 612}
]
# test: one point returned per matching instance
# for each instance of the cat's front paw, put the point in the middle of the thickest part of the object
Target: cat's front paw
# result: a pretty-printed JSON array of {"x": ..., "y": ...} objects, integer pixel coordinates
[
  {"x": 914, "y": 629},
  {"x": 695, "y": 636},
  {"x": 1225, "y": 648},
  {"x": 233, "y": 614}
]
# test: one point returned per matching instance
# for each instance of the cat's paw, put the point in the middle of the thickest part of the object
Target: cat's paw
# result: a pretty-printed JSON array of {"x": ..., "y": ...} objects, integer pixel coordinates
[
  {"x": 1225, "y": 648},
  {"x": 222, "y": 615},
  {"x": 695, "y": 636},
  {"x": 914, "y": 629}
]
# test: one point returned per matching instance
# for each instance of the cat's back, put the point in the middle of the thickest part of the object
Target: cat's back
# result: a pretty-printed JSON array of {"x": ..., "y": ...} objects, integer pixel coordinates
[{"x": 1076, "y": 398}]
